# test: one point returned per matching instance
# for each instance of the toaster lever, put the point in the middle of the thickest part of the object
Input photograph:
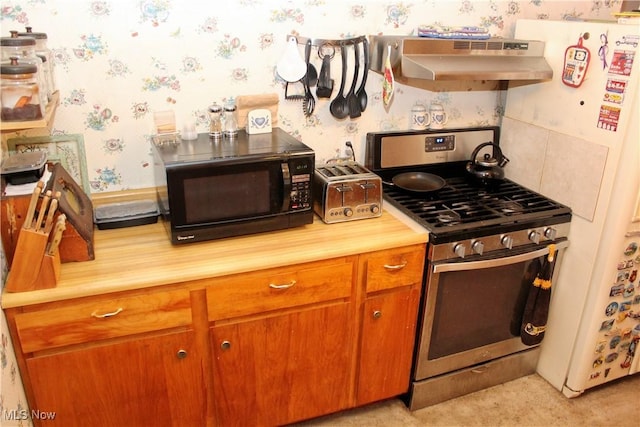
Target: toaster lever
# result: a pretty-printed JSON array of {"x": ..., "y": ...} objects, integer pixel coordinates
[
  {"x": 344, "y": 188},
  {"x": 367, "y": 185}
]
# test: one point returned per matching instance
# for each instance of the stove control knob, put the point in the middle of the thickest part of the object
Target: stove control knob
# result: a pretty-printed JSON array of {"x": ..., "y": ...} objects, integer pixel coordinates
[
  {"x": 348, "y": 212},
  {"x": 477, "y": 247},
  {"x": 506, "y": 241},
  {"x": 459, "y": 249},
  {"x": 550, "y": 233},
  {"x": 534, "y": 236}
]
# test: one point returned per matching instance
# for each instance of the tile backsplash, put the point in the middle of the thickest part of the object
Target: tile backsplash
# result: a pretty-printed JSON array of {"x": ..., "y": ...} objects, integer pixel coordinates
[{"x": 547, "y": 158}]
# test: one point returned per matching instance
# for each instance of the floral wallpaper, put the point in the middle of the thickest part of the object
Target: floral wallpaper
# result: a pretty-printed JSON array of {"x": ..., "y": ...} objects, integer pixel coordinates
[{"x": 119, "y": 61}]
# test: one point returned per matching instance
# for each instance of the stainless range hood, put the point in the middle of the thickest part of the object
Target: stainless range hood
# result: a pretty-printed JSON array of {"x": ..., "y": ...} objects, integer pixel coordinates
[{"x": 420, "y": 58}]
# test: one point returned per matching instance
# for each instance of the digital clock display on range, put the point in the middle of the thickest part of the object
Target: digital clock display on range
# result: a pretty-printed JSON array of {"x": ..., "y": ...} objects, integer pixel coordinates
[{"x": 439, "y": 143}]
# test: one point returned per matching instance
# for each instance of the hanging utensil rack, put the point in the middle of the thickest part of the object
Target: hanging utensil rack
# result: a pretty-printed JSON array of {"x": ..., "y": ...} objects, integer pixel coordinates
[
  {"x": 328, "y": 48},
  {"x": 337, "y": 43}
]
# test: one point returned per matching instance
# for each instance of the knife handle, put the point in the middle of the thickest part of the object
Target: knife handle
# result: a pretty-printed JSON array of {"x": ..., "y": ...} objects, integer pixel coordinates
[
  {"x": 28, "y": 219},
  {"x": 43, "y": 210},
  {"x": 53, "y": 206},
  {"x": 61, "y": 225}
]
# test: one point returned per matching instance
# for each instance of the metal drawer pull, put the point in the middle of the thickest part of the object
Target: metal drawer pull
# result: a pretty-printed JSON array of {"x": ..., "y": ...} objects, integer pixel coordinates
[
  {"x": 377, "y": 314},
  {"x": 395, "y": 267},
  {"x": 225, "y": 345},
  {"x": 181, "y": 354},
  {"x": 106, "y": 315},
  {"x": 283, "y": 286}
]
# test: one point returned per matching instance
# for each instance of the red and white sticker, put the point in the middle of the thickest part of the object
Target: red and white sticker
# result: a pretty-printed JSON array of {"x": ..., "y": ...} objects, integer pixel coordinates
[
  {"x": 622, "y": 62},
  {"x": 609, "y": 117},
  {"x": 615, "y": 90}
]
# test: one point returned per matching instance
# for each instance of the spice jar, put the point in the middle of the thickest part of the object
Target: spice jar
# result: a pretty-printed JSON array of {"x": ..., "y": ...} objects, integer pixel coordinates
[
  {"x": 43, "y": 51},
  {"x": 20, "y": 94},
  {"x": 230, "y": 122},
  {"x": 215, "y": 121},
  {"x": 24, "y": 48}
]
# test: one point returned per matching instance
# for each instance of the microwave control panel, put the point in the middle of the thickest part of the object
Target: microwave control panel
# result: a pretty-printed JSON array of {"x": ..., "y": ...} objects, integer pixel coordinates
[{"x": 301, "y": 191}]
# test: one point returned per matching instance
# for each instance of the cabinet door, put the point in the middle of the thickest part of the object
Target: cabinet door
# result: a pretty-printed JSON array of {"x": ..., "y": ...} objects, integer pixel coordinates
[
  {"x": 281, "y": 369},
  {"x": 388, "y": 334},
  {"x": 149, "y": 382}
]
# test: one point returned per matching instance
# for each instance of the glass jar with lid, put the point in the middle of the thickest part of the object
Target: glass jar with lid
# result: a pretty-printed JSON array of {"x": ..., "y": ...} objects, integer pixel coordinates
[
  {"x": 230, "y": 121},
  {"x": 43, "y": 50},
  {"x": 215, "y": 121},
  {"x": 20, "y": 94},
  {"x": 24, "y": 48}
]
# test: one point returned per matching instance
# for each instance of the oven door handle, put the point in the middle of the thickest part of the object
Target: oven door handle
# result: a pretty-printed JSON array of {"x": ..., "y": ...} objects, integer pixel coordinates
[{"x": 476, "y": 265}]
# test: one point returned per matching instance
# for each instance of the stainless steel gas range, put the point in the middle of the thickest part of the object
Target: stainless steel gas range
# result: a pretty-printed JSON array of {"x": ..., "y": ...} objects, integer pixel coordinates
[{"x": 487, "y": 241}]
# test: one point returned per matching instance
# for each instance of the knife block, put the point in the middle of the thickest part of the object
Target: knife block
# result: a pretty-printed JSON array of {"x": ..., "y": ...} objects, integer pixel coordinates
[
  {"x": 77, "y": 239},
  {"x": 32, "y": 268}
]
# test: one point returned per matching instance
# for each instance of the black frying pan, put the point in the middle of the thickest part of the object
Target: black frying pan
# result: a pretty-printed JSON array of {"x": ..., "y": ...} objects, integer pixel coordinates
[{"x": 417, "y": 182}]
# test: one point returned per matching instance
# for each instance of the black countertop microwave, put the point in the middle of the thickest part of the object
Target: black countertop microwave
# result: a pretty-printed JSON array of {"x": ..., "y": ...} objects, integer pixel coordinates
[{"x": 210, "y": 189}]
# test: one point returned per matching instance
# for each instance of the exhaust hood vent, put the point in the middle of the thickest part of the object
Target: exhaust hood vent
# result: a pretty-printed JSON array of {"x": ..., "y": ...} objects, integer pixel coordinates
[{"x": 420, "y": 58}]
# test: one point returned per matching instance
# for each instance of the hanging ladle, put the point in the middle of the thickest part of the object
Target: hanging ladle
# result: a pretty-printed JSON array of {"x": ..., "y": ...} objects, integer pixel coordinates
[
  {"x": 339, "y": 107},
  {"x": 361, "y": 93},
  {"x": 352, "y": 98}
]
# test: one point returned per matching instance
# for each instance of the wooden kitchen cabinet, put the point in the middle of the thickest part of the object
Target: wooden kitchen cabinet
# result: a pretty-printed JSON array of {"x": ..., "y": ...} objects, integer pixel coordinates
[
  {"x": 206, "y": 338},
  {"x": 285, "y": 368},
  {"x": 129, "y": 360},
  {"x": 156, "y": 381},
  {"x": 392, "y": 282},
  {"x": 293, "y": 363}
]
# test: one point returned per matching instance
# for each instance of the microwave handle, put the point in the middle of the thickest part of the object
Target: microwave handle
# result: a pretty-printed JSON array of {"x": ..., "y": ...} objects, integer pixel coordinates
[
  {"x": 476, "y": 265},
  {"x": 286, "y": 186}
]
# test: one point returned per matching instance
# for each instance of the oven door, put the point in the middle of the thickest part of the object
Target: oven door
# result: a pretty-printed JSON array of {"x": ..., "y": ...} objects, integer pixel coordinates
[{"x": 473, "y": 309}]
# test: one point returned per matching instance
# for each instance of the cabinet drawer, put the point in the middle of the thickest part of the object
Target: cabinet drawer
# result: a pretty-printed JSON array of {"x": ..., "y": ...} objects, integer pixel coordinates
[
  {"x": 395, "y": 267},
  {"x": 266, "y": 290},
  {"x": 103, "y": 319}
]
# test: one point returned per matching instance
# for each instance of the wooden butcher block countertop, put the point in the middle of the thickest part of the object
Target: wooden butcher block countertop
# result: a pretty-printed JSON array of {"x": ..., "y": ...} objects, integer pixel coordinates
[{"x": 143, "y": 257}]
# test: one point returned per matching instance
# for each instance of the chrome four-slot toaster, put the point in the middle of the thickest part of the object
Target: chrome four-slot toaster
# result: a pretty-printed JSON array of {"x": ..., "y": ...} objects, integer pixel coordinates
[{"x": 346, "y": 192}]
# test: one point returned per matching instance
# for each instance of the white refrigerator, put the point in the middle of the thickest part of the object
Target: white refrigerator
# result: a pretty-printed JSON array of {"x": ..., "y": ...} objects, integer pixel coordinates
[{"x": 576, "y": 139}]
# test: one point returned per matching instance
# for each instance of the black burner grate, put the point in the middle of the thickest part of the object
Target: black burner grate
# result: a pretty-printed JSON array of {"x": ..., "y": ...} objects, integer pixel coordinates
[{"x": 463, "y": 205}]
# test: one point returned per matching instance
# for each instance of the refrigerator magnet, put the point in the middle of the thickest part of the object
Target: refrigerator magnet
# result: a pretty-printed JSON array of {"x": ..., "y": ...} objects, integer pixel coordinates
[
  {"x": 611, "y": 309},
  {"x": 615, "y": 90},
  {"x": 576, "y": 63},
  {"x": 613, "y": 343},
  {"x": 598, "y": 361},
  {"x": 631, "y": 249},
  {"x": 609, "y": 117},
  {"x": 611, "y": 357},
  {"x": 606, "y": 325},
  {"x": 616, "y": 290},
  {"x": 621, "y": 62}
]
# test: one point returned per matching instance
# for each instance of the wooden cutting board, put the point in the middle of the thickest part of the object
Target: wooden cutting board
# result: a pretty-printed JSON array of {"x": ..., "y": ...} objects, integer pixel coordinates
[{"x": 246, "y": 103}]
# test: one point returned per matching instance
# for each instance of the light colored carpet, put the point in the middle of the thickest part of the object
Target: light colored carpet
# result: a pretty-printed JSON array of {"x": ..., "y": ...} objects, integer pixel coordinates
[{"x": 527, "y": 401}]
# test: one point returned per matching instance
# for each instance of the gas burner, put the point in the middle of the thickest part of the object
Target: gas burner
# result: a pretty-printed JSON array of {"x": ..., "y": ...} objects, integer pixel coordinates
[
  {"x": 511, "y": 207},
  {"x": 449, "y": 217}
]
